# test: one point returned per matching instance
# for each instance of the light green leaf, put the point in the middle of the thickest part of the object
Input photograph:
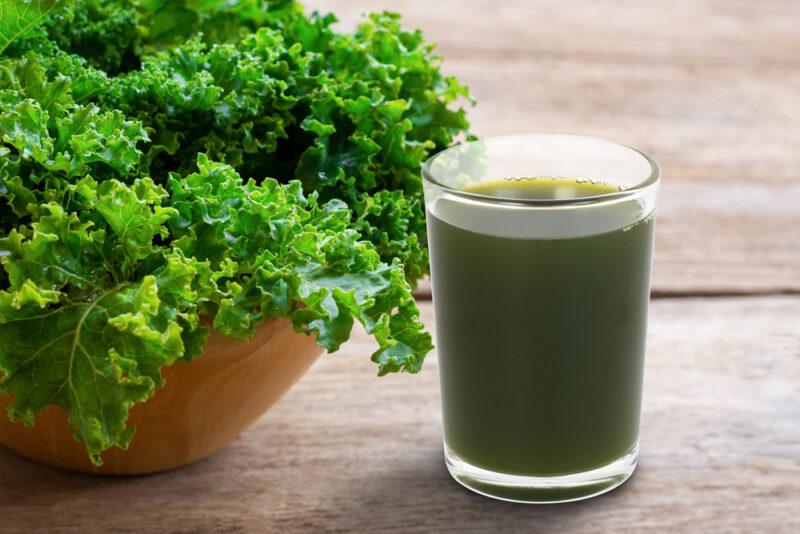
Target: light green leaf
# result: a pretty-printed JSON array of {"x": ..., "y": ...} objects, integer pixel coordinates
[
  {"x": 134, "y": 216},
  {"x": 18, "y": 16},
  {"x": 94, "y": 358}
]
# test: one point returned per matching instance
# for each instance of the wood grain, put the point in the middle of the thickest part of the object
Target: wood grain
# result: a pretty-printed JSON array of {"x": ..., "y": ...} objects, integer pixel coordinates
[
  {"x": 347, "y": 451},
  {"x": 710, "y": 88}
]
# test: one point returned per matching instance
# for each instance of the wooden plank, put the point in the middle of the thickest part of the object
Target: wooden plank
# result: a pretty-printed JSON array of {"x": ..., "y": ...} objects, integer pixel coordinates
[
  {"x": 347, "y": 451},
  {"x": 709, "y": 88},
  {"x": 711, "y": 239}
]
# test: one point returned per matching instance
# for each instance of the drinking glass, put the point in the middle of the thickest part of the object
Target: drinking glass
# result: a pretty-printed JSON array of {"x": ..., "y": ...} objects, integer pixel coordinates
[{"x": 541, "y": 312}]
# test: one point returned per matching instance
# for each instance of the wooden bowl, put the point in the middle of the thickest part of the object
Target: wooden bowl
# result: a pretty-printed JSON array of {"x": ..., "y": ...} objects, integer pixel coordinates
[{"x": 204, "y": 405}]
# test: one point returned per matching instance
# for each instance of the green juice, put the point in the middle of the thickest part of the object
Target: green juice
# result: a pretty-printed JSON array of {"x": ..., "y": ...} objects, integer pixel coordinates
[{"x": 541, "y": 340}]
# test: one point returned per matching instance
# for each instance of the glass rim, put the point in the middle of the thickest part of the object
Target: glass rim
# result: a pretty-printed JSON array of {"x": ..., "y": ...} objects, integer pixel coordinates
[{"x": 651, "y": 180}]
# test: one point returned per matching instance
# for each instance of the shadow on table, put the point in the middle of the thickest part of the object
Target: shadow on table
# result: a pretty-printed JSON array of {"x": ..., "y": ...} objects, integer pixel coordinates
[
  {"x": 26, "y": 482},
  {"x": 420, "y": 495}
]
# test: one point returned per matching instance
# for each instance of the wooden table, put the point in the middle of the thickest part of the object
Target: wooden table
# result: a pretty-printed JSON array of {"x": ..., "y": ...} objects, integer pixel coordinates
[{"x": 712, "y": 90}]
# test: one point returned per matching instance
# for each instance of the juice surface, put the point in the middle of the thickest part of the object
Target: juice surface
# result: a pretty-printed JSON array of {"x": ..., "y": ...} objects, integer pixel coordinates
[
  {"x": 540, "y": 341},
  {"x": 540, "y": 188}
]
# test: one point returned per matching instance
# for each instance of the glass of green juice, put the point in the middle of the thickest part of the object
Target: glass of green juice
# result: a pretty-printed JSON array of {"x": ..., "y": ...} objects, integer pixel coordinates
[{"x": 541, "y": 248}]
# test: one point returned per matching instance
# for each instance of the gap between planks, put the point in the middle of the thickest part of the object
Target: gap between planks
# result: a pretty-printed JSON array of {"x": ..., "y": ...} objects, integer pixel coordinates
[{"x": 424, "y": 294}]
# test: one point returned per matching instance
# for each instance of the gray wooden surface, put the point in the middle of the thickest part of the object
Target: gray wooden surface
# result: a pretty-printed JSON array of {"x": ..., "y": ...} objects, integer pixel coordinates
[
  {"x": 712, "y": 90},
  {"x": 346, "y": 451}
]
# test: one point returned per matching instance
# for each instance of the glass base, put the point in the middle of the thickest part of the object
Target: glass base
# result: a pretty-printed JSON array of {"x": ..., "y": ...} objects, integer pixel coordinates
[{"x": 532, "y": 489}]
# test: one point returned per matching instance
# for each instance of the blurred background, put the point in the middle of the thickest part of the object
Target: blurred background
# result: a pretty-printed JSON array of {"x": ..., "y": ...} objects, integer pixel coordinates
[{"x": 709, "y": 88}]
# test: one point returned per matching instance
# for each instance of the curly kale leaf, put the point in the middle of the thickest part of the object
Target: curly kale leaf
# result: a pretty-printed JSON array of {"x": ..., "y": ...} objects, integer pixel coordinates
[
  {"x": 96, "y": 358},
  {"x": 294, "y": 257},
  {"x": 273, "y": 92},
  {"x": 21, "y": 16},
  {"x": 351, "y": 116}
]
